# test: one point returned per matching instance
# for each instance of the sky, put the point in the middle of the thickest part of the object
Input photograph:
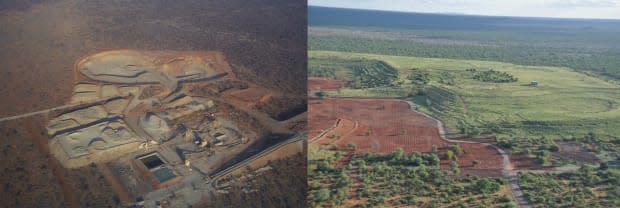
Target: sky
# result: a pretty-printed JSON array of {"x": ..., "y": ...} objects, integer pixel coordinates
[{"x": 598, "y": 9}]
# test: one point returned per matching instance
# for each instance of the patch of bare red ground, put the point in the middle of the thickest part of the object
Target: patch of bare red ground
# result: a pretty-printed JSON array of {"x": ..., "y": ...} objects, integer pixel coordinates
[
  {"x": 343, "y": 128},
  {"x": 315, "y": 83},
  {"x": 490, "y": 162},
  {"x": 523, "y": 161},
  {"x": 386, "y": 124}
]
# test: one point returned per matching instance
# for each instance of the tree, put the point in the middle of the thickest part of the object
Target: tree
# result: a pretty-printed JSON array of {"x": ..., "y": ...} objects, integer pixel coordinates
[
  {"x": 315, "y": 185},
  {"x": 323, "y": 194},
  {"x": 449, "y": 155},
  {"x": 454, "y": 166},
  {"x": 456, "y": 149},
  {"x": 361, "y": 164},
  {"x": 398, "y": 153},
  {"x": 338, "y": 155},
  {"x": 434, "y": 160},
  {"x": 554, "y": 147},
  {"x": 486, "y": 186},
  {"x": 504, "y": 143},
  {"x": 351, "y": 146},
  {"x": 542, "y": 156},
  {"x": 474, "y": 163},
  {"x": 320, "y": 94},
  {"x": 419, "y": 77},
  {"x": 322, "y": 165}
]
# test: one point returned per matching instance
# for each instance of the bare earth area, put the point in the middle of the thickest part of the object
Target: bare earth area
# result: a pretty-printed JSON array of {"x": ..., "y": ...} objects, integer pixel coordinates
[
  {"x": 321, "y": 83},
  {"x": 382, "y": 125}
]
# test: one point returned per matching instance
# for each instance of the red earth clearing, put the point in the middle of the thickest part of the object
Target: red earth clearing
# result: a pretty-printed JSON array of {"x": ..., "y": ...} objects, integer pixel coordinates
[
  {"x": 382, "y": 125},
  {"x": 316, "y": 83}
]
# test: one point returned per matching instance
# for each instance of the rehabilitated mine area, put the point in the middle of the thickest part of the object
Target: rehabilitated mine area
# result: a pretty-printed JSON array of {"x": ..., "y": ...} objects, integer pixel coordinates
[
  {"x": 114, "y": 104},
  {"x": 377, "y": 125}
]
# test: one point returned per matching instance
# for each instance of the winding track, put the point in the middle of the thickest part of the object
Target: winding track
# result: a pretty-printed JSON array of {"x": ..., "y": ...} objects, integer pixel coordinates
[{"x": 508, "y": 170}]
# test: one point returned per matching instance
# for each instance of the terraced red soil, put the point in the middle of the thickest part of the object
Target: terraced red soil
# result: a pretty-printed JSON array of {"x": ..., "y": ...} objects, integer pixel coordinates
[
  {"x": 522, "y": 161},
  {"x": 386, "y": 124},
  {"x": 344, "y": 128},
  {"x": 315, "y": 83}
]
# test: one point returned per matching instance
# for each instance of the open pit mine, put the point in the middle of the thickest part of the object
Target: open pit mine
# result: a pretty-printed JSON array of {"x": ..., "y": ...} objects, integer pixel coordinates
[{"x": 161, "y": 142}]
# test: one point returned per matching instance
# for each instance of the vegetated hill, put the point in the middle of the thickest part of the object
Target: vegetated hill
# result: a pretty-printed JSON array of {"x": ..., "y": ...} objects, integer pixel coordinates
[
  {"x": 565, "y": 104},
  {"x": 582, "y": 44},
  {"x": 365, "y": 73}
]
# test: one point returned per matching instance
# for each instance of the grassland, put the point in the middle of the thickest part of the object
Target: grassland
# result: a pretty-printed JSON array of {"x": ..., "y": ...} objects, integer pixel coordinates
[{"x": 565, "y": 104}]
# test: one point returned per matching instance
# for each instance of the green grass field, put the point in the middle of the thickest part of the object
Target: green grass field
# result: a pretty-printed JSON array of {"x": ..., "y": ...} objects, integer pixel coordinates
[{"x": 565, "y": 104}]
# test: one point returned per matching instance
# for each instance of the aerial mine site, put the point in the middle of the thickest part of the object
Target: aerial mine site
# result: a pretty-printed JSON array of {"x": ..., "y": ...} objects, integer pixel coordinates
[
  {"x": 139, "y": 113},
  {"x": 180, "y": 111}
]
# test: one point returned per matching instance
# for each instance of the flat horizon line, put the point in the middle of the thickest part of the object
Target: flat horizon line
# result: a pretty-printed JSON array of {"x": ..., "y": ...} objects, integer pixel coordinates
[{"x": 469, "y": 14}]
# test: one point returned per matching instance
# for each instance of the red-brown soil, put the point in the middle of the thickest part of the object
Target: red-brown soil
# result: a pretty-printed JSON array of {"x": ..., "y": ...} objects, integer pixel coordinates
[
  {"x": 315, "y": 83},
  {"x": 522, "y": 161},
  {"x": 384, "y": 124},
  {"x": 343, "y": 128},
  {"x": 489, "y": 160}
]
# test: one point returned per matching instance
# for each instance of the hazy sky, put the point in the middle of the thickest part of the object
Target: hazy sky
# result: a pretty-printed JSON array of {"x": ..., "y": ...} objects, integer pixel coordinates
[{"x": 606, "y": 9}]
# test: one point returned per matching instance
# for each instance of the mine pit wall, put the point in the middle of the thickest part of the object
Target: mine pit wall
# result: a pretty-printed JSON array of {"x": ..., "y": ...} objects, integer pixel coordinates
[
  {"x": 101, "y": 156},
  {"x": 77, "y": 106},
  {"x": 284, "y": 149}
]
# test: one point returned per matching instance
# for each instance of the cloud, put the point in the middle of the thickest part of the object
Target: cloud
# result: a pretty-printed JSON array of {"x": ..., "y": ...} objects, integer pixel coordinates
[{"x": 607, "y": 9}]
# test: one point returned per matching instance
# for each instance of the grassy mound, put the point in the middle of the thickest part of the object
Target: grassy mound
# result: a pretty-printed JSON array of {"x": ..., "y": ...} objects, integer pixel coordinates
[{"x": 565, "y": 103}]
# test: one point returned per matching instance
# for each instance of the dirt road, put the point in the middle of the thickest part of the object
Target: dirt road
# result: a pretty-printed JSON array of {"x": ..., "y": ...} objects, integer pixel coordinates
[{"x": 508, "y": 169}]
